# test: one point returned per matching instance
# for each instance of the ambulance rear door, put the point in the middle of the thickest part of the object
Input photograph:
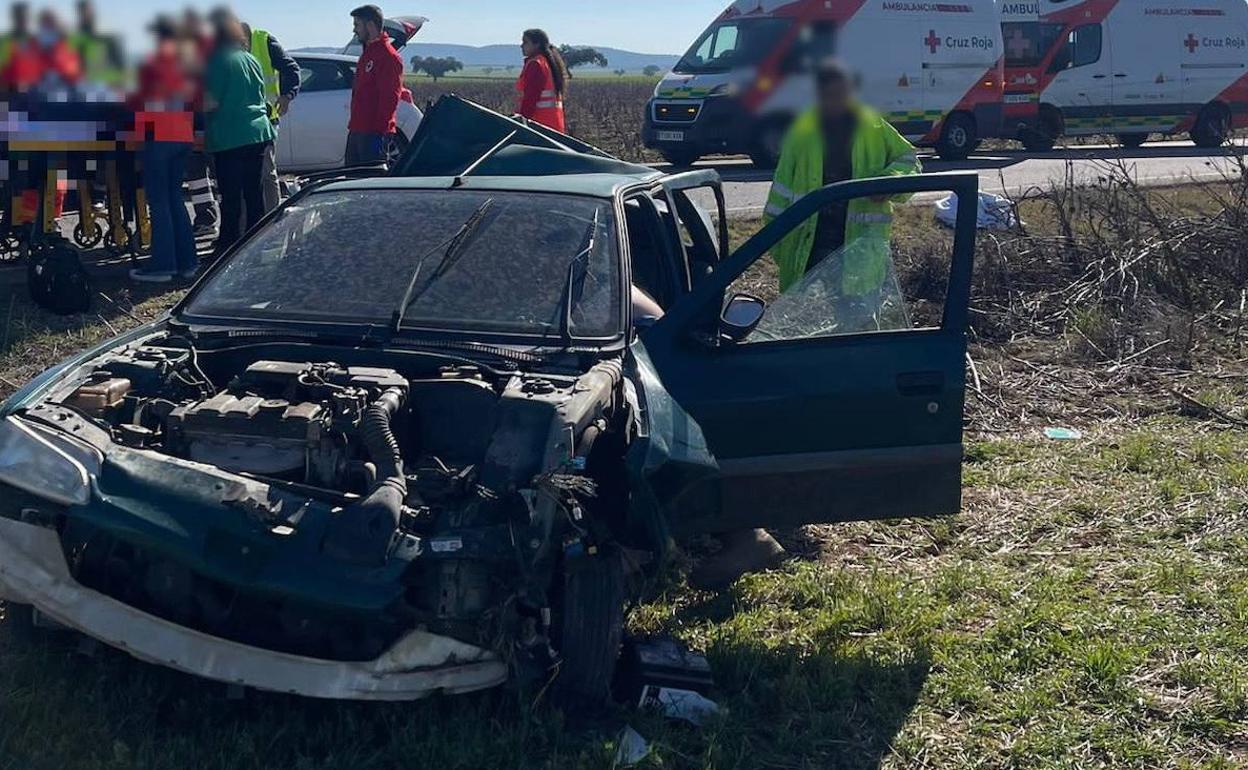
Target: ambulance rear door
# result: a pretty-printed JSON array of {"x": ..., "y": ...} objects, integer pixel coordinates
[
  {"x": 886, "y": 53},
  {"x": 1213, "y": 53},
  {"x": 1147, "y": 81},
  {"x": 960, "y": 66}
]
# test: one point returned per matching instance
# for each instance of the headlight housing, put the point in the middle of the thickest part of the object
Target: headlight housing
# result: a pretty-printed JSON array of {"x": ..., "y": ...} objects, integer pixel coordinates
[{"x": 34, "y": 464}]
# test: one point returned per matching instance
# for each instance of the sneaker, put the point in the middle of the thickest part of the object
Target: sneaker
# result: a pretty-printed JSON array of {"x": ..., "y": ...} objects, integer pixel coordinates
[
  {"x": 150, "y": 276},
  {"x": 205, "y": 231}
]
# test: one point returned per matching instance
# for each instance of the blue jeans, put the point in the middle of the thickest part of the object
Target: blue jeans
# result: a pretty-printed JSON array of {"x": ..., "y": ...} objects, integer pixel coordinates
[{"x": 173, "y": 241}]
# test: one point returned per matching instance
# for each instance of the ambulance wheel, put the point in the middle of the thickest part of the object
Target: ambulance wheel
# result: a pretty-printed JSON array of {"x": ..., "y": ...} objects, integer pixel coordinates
[
  {"x": 958, "y": 138},
  {"x": 87, "y": 240},
  {"x": 681, "y": 158},
  {"x": 1131, "y": 141},
  {"x": 1213, "y": 127}
]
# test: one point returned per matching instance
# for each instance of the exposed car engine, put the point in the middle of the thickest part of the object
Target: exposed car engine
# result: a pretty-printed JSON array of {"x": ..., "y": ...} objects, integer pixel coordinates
[{"x": 468, "y": 482}]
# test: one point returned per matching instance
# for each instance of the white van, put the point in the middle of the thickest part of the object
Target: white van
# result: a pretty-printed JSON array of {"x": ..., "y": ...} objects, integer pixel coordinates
[
  {"x": 933, "y": 69},
  {"x": 1126, "y": 67}
]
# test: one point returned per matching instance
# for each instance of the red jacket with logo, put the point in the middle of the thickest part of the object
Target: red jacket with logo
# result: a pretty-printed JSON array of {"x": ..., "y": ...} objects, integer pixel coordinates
[{"x": 375, "y": 93}]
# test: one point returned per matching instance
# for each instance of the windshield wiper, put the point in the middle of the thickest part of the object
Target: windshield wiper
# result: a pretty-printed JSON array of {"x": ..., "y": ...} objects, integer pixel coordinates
[
  {"x": 454, "y": 247},
  {"x": 578, "y": 269}
]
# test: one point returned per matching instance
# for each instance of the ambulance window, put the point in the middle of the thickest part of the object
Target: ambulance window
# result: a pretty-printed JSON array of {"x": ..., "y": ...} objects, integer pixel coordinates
[
  {"x": 1085, "y": 45},
  {"x": 733, "y": 44},
  {"x": 1027, "y": 43}
]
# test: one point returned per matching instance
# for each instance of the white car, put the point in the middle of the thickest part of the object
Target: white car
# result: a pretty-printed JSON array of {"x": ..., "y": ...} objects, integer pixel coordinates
[{"x": 313, "y": 134}]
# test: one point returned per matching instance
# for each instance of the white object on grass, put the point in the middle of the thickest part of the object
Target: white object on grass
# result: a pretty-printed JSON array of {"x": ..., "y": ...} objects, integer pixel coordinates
[{"x": 994, "y": 212}]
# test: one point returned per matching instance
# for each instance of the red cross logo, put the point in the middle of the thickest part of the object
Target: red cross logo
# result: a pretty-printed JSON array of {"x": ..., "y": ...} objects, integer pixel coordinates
[
  {"x": 1192, "y": 43},
  {"x": 932, "y": 41},
  {"x": 1018, "y": 44}
]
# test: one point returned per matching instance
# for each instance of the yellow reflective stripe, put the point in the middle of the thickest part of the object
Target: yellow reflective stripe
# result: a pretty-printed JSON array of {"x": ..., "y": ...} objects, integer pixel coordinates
[
  {"x": 548, "y": 94},
  {"x": 773, "y": 210},
  {"x": 779, "y": 188},
  {"x": 549, "y": 105},
  {"x": 867, "y": 218}
]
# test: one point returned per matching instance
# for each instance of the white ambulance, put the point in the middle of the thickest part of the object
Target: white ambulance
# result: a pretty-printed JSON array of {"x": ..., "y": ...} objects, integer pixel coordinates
[
  {"x": 934, "y": 69},
  {"x": 1126, "y": 67}
]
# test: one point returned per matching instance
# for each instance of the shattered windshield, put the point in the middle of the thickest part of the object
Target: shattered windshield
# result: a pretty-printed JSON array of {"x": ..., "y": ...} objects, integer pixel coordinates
[{"x": 350, "y": 256}]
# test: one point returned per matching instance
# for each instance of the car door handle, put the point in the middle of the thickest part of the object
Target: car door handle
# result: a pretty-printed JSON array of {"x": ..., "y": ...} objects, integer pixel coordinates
[
  {"x": 1120, "y": 74},
  {"x": 1099, "y": 77},
  {"x": 912, "y": 384}
]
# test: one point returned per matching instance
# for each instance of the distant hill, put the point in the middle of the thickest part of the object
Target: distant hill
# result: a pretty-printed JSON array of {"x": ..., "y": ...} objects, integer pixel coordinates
[{"x": 509, "y": 55}]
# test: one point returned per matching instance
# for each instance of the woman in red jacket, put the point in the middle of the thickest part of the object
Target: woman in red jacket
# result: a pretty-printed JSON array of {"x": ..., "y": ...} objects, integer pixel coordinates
[{"x": 543, "y": 82}]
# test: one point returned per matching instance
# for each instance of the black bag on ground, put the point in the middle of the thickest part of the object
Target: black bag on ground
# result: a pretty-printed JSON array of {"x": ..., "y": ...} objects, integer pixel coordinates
[{"x": 57, "y": 281}]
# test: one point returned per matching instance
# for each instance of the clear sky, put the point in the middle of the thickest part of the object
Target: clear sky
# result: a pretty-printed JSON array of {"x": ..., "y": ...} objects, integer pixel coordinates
[{"x": 646, "y": 26}]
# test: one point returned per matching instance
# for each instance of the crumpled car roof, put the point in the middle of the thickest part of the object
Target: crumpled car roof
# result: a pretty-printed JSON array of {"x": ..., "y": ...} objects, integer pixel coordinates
[{"x": 461, "y": 139}]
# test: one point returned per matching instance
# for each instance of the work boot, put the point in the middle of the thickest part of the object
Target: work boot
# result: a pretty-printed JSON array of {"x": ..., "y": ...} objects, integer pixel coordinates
[{"x": 744, "y": 551}]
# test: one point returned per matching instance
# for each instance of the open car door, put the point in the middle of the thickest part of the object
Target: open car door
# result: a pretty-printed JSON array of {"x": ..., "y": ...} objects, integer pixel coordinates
[{"x": 835, "y": 403}]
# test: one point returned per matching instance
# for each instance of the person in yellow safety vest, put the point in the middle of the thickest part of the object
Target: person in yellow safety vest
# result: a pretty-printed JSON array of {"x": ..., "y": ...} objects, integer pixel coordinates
[
  {"x": 102, "y": 59},
  {"x": 281, "y": 86},
  {"x": 837, "y": 140},
  {"x": 17, "y": 35}
]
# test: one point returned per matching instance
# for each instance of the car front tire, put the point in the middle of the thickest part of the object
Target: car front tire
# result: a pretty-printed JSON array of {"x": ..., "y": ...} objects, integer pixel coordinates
[{"x": 591, "y": 629}]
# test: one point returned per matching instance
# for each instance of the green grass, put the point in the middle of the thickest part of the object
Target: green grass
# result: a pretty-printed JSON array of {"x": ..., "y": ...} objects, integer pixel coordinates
[{"x": 1089, "y": 608}]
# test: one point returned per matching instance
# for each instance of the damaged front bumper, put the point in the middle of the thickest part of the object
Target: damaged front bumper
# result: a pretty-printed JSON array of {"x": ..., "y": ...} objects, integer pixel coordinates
[{"x": 33, "y": 571}]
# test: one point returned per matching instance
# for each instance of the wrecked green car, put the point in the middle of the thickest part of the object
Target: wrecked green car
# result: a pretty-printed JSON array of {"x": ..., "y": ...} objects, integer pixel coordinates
[{"x": 414, "y": 434}]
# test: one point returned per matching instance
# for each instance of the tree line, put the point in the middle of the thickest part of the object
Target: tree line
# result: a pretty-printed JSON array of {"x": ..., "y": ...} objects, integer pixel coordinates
[{"x": 438, "y": 67}]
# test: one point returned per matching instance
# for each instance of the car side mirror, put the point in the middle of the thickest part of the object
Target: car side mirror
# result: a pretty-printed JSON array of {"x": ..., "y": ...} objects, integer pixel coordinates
[{"x": 741, "y": 316}]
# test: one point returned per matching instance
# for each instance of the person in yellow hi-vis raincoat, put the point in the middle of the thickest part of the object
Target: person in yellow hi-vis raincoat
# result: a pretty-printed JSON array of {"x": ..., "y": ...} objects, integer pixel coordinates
[{"x": 837, "y": 140}]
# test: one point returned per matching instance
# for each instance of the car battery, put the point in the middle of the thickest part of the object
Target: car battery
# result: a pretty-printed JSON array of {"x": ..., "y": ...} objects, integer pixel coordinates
[{"x": 650, "y": 671}]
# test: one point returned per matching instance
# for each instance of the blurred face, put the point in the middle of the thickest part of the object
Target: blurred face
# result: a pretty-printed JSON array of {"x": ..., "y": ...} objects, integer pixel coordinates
[
  {"x": 528, "y": 47},
  {"x": 365, "y": 31},
  {"x": 835, "y": 96},
  {"x": 21, "y": 19}
]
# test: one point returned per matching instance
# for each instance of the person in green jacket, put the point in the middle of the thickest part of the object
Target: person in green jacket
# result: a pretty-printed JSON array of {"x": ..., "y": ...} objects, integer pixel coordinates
[
  {"x": 237, "y": 129},
  {"x": 837, "y": 140}
]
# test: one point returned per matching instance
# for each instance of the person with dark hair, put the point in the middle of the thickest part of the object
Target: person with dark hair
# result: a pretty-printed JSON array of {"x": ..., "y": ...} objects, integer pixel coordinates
[
  {"x": 376, "y": 91},
  {"x": 238, "y": 131},
  {"x": 837, "y": 139},
  {"x": 164, "y": 122},
  {"x": 543, "y": 82}
]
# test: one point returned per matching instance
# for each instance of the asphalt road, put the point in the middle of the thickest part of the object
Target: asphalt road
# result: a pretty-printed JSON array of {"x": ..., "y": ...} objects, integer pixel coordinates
[{"x": 1016, "y": 173}]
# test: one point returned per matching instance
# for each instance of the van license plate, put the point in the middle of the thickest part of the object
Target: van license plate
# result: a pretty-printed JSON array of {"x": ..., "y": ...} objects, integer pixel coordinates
[{"x": 671, "y": 136}]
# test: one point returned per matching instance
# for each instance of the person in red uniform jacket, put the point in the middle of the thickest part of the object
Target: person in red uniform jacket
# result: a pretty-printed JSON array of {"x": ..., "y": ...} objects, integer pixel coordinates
[
  {"x": 164, "y": 123},
  {"x": 376, "y": 92},
  {"x": 543, "y": 82}
]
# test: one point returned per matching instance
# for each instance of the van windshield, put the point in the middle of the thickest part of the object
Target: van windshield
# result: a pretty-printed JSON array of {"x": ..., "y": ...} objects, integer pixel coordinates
[{"x": 730, "y": 44}]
